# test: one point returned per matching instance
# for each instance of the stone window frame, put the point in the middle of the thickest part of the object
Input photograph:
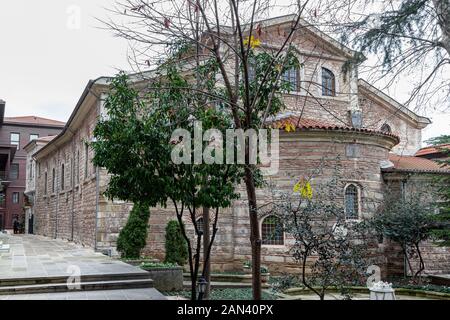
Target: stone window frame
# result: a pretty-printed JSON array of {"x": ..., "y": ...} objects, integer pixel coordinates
[
  {"x": 261, "y": 222},
  {"x": 301, "y": 77},
  {"x": 332, "y": 78},
  {"x": 337, "y": 83},
  {"x": 358, "y": 190}
]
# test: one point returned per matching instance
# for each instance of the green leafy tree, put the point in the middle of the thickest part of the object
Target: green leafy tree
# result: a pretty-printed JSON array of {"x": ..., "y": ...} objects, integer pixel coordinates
[
  {"x": 406, "y": 220},
  {"x": 135, "y": 143},
  {"x": 176, "y": 247},
  {"x": 441, "y": 231},
  {"x": 247, "y": 78},
  {"x": 133, "y": 236}
]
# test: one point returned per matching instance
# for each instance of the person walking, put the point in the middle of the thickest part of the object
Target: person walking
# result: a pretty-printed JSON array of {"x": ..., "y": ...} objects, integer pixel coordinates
[{"x": 16, "y": 226}]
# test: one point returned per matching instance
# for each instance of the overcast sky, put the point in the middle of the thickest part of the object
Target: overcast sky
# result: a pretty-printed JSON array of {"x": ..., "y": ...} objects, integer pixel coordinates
[{"x": 46, "y": 58}]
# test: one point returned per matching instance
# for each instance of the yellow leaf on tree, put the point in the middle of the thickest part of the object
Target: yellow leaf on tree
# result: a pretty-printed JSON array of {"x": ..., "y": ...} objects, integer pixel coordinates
[
  {"x": 289, "y": 127},
  {"x": 304, "y": 189},
  {"x": 254, "y": 43}
]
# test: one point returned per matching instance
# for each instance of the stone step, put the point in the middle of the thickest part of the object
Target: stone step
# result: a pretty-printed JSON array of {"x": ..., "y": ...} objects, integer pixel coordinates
[
  {"x": 5, "y": 248},
  {"x": 13, "y": 282},
  {"x": 84, "y": 286}
]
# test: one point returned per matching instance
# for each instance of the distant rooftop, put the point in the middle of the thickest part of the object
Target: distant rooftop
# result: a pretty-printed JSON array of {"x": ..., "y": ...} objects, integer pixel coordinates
[
  {"x": 415, "y": 164},
  {"x": 432, "y": 150},
  {"x": 33, "y": 120}
]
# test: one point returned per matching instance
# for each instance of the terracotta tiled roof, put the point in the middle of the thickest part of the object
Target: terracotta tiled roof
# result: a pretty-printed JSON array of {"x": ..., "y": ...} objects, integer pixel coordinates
[
  {"x": 304, "y": 123},
  {"x": 415, "y": 164},
  {"x": 432, "y": 150},
  {"x": 34, "y": 120}
]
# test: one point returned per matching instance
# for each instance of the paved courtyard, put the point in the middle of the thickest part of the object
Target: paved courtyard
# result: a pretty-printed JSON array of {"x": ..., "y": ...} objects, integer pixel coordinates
[
  {"x": 34, "y": 256},
  {"x": 24, "y": 257}
]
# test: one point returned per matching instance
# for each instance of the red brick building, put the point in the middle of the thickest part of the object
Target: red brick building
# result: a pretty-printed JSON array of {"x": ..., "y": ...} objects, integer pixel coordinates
[{"x": 15, "y": 133}]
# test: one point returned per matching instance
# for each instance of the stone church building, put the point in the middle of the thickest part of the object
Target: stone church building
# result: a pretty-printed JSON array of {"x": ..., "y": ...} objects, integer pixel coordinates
[{"x": 375, "y": 137}]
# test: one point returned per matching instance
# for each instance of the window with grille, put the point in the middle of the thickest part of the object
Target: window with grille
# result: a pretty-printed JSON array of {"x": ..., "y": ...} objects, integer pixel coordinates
[
  {"x": 292, "y": 76},
  {"x": 272, "y": 231},
  {"x": 328, "y": 83},
  {"x": 351, "y": 202},
  {"x": 200, "y": 225}
]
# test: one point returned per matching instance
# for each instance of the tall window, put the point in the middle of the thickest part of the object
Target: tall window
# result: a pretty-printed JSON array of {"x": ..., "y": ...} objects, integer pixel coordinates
[
  {"x": 34, "y": 137},
  {"x": 63, "y": 176},
  {"x": 77, "y": 168},
  {"x": 292, "y": 76},
  {"x": 351, "y": 202},
  {"x": 272, "y": 231},
  {"x": 45, "y": 183},
  {"x": 201, "y": 225},
  {"x": 328, "y": 83},
  {"x": 86, "y": 160},
  {"x": 14, "y": 171},
  {"x": 15, "y": 140},
  {"x": 53, "y": 180},
  {"x": 15, "y": 197}
]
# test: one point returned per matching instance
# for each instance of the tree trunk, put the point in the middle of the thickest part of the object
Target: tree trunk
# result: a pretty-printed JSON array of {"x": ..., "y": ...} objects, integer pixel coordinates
[
  {"x": 442, "y": 8},
  {"x": 255, "y": 237},
  {"x": 206, "y": 260}
]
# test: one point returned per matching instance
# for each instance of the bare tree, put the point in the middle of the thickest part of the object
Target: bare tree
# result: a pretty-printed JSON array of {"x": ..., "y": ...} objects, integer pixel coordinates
[
  {"x": 225, "y": 33},
  {"x": 404, "y": 41}
]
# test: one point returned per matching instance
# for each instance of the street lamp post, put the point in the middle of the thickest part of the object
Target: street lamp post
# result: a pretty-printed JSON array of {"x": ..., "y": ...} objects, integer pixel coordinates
[{"x": 201, "y": 287}]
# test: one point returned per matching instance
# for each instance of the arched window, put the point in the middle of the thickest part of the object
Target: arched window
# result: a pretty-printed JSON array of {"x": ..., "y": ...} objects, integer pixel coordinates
[
  {"x": 292, "y": 76},
  {"x": 386, "y": 128},
  {"x": 272, "y": 231},
  {"x": 200, "y": 225},
  {"x": 351, "y": 202},
  {"x": 328, "y": 83}
]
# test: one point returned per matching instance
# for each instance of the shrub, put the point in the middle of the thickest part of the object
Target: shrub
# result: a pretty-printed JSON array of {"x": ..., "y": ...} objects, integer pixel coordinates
[
  {"x": 176, "y": 246},
  {"x": 133, "y": 237}
]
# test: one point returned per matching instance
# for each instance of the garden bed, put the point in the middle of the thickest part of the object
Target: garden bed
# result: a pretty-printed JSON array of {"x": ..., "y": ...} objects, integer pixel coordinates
[
  {"x": 226, "y": 294},
  {"x": 166, "y": 277},
  {"x": 232, "y": 277},
  {"x": 413, "y": 292}
]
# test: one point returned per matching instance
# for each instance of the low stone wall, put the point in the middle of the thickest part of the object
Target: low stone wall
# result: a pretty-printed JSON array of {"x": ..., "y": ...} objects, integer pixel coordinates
[{"x": 167, "y": 279}]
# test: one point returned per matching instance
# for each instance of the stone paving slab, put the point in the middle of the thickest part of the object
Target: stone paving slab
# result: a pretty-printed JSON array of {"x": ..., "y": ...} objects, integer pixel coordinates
[
  {"x": 36, "y": 256},
  {"x": 116, "y": 295}
]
